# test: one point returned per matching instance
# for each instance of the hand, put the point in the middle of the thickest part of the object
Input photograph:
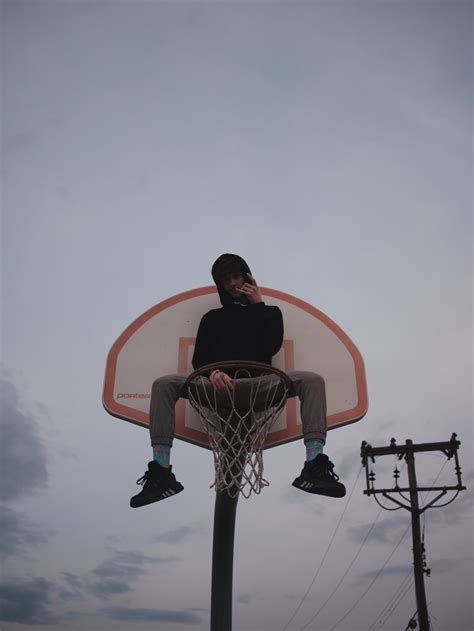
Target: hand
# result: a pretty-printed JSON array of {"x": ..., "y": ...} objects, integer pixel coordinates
[
  {"x": 251, "y": 290},
  {"x": 221, "y": 380}
]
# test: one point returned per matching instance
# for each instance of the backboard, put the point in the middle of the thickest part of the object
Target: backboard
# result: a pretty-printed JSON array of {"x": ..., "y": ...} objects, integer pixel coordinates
[{"x": 161, "y": 341}]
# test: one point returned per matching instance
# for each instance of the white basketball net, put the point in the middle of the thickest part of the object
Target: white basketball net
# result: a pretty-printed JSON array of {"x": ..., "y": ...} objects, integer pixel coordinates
[{"x": 237, "y": 428}]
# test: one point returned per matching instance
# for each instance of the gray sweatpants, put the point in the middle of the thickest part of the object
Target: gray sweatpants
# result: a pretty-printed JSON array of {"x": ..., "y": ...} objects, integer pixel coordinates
[{"x": 308, "y": 386}]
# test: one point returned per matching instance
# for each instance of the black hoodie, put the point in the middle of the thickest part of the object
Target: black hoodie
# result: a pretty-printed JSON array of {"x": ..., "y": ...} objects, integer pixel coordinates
[{"x": 252, "y": 332}]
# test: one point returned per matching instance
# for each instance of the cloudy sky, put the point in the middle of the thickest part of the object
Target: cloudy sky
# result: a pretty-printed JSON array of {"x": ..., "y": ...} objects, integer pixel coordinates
[{"x": 328, "y": 143}]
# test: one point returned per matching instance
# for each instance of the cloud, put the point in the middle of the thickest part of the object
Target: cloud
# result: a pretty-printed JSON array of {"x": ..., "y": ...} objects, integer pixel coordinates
[
  {"x": 73, "y": 580},
  {"x": 152, "y": 615},
  {"x": 437, "y": 566},
  {"x": 22, "y": 455},
  {"x": 388, "y": 570},
  {"x": 112, "y": 578},
  {"x": 74, "y": 586},
  {"x": 138, "y": 558},
  {"x": 447, "y": 565},
  {"x": 19, "y": 534},
  {"x": 387, "y": 530},
  {"x": 460, "y": 509},
  {"x": 26, "y": 602},
  {"x": 117, "y": 573},
  {"x": 348, "y": 466},
  {"x": 305, "y": 501},
  {"x": 177, "y": 534},
  {"x": 29, "y": 602}
]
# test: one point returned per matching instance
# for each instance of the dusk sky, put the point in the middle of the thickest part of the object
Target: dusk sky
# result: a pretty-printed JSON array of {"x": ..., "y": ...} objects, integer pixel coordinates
[{"x": 329, "y": 143}]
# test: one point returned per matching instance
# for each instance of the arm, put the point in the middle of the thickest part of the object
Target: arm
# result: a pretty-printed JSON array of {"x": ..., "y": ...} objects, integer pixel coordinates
[
  {"x": 269, "y": 322},
  {"x": 200, "y": 356},
  {"x": 267, "y": 319}
]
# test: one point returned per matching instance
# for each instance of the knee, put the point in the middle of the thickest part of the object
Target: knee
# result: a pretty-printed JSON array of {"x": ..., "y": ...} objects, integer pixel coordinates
[
  {"x": 316, "y": 377},
  {"x": 314, "y": 380},
  {"x": 164, "y": 382}
]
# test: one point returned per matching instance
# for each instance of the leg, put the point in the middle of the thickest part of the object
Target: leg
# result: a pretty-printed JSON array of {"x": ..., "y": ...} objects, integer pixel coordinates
[
  {"x": 165, "y": 391},
  {"x": 262, "y": 391},
  {"x": 318, "y": 475},
  {"x": 159, "y": 481},
  {"x": 311, "y": 390}
]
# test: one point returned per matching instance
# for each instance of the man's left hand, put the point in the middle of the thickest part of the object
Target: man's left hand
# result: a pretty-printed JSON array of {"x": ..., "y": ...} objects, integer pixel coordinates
[{"x": 251, "y": 290}]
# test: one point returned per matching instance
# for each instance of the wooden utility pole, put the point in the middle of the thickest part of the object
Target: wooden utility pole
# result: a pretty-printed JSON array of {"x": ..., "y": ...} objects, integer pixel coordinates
[
  {"x": 450, "y": 449},
  {"x": 417, "y": 544}
]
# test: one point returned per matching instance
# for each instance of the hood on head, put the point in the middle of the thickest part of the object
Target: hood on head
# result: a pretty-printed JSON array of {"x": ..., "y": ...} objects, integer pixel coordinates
[{"x": 228, "y": 264}]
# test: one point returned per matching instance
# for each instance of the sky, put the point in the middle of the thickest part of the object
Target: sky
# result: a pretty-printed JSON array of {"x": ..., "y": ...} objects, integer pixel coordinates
[{"x": 330, "y": 145}]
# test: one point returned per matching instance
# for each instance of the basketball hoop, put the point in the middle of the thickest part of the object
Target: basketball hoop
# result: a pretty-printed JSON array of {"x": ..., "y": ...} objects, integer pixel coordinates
[{"x": 237, "y": 419}]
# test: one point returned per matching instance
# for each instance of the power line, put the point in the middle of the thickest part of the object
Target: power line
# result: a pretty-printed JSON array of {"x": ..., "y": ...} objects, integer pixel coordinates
[
  {"x": 386, "y": 561},
  {"x": 407, "y": 451},
  {"x": 395, "y": 604},
  {"x": 422, "y": 502},
  {"x": 351, "y": 564},
  {"x": 326, "y": 551},
  {"x": 390, "y": 602},
  {"x": 373, "y": 580},
  {"x": 345, "y": 573}
]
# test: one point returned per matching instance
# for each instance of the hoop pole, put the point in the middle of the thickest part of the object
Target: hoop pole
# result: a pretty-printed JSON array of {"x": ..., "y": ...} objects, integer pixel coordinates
[{"x": 223, "y": 561}]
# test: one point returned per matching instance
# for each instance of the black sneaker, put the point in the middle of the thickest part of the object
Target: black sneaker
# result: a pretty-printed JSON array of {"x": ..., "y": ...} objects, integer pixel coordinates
[
  {"x": 158, "y": 483},
  {"x": 318, "y": 477}
]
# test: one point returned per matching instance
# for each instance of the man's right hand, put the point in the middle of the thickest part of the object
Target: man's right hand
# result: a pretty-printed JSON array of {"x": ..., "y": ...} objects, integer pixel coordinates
[{"x": 221, "y": 380}]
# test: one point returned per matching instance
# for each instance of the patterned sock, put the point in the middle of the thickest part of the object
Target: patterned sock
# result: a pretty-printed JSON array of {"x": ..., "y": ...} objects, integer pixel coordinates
[
  {"x": 313, "y": 448},
  {"x": 161, "y": 454}
]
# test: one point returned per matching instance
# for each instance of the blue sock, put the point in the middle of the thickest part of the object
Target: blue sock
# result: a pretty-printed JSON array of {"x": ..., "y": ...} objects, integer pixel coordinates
[
  {"x": 161, "y": 454},
  {"x": 313, "y": 448}
]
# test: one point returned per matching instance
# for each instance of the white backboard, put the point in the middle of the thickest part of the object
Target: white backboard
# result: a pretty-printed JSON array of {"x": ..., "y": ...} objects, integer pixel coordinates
[{"x": 161, "y": 341}]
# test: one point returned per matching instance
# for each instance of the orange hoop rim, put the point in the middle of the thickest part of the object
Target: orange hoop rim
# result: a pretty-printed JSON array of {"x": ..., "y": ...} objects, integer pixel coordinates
[{"x": 204, "y": 371}]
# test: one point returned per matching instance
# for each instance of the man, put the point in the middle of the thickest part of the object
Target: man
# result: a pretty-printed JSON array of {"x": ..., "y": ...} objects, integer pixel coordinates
[{"x": 244, "y": 328}]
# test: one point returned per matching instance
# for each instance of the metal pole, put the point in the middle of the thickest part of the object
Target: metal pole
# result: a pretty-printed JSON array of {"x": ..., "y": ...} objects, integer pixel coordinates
[
  {"x": 417, "y": 546},
  {"x": 223, "y": 561}
]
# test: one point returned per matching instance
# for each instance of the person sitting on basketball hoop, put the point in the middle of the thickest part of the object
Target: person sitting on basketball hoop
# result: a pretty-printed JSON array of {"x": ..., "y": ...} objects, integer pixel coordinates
[{"x": 244, "y": 329}]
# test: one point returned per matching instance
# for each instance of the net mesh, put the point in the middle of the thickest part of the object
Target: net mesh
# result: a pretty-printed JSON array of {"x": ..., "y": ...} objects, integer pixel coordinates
[{"x": 237, "y": 421}]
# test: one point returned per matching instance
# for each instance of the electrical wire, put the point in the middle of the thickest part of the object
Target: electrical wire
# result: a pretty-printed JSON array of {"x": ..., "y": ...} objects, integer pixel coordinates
[
  {"x": 351, "y": 564},
  {"x": 345, "y": 573},
  {"x": 378, "y": 623},
  {"x": 385, "y": 507},
  {"x": 431, "y": 618},
  {"x": 327, "y": 550},
  {"x": 390, "y": 602},
  {"x": 347, "y": 570},
  {"x": 422, "y": 498},
  {"x": 372, "y": 582},
  {"x": 381, "y": 569},
  {"x": 394, "y": 605},
  {"x": 446, "y": 503}
]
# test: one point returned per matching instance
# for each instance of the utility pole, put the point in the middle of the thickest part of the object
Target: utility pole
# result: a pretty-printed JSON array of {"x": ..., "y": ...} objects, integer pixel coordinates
[{"x": 407, "y": 451}]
